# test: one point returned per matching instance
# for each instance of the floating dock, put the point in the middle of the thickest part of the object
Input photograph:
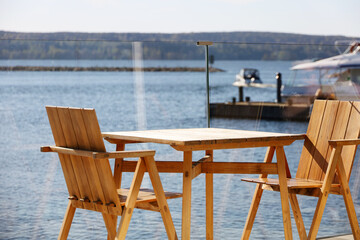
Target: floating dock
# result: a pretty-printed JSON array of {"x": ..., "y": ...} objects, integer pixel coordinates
[{"x": 261, "y": 110}]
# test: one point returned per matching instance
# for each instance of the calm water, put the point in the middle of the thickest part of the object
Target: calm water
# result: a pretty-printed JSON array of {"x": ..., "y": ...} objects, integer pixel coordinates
[{"x": 33, "y": 195}]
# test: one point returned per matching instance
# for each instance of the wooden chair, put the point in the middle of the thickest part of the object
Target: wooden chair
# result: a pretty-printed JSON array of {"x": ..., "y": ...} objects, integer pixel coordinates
[
  {"x": 89, "y": 179},
  {"x": 324, "y": 168}
]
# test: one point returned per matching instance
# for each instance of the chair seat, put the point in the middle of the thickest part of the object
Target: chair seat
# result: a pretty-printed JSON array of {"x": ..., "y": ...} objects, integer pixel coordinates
[
  {"x": 292, "y": 183},
  {"x": 145, "y": 195}
]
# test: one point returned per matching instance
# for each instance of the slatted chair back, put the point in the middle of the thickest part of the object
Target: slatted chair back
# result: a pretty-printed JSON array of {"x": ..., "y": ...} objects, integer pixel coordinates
[
  {"x": 89, "y": 181},
  {"x": 330, "y": 120}
]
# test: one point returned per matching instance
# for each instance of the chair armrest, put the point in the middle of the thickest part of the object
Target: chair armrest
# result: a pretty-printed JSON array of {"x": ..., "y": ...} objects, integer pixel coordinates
[
  {"x": 343, "y": 142},
  {"x": 98, "y": 155}
]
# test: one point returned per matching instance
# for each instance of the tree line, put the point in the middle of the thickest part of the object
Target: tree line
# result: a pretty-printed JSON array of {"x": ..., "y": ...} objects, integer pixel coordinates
[{"x": 180, "y": 46}]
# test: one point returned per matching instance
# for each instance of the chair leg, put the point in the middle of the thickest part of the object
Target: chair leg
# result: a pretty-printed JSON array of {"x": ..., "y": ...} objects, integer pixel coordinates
[
  {"x": 110, "y": 223},
  {"x": 284, "y": 196},
  {"x": 329, "y": 177},
  {"x": 131, "y": 200},
  {"x": 348, "y": 200},
  {"x": 160, "y": 196},
  {"x": 65, "y": 227},
  {"x": 252, "y": 212},
  {"x": 297, "y": 215},
  {"x": 256, "y": 198}
]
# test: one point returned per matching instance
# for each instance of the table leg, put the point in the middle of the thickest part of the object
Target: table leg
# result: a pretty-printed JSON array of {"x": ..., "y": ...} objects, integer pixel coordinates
[
  {"x": 186, "y": 202},
  {"x": 209, "y": 185},
  {"x": 284, "y": 195},
  {"x": 117, "y": 177},
  {"x": 118, "y": 166}
]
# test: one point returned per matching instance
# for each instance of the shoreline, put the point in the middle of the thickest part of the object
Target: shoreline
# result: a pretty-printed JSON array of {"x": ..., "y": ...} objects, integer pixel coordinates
[{"x": 105, "y": 69}]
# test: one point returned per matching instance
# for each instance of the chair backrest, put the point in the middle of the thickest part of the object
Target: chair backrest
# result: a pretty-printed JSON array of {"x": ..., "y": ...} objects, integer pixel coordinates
[
  {"x": 89, "y": 181},
  {"x": 330, "y": 120}
]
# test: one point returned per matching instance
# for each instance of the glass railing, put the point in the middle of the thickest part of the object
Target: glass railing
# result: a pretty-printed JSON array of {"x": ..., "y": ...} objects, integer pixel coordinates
[{"x": 156, "y": 85}]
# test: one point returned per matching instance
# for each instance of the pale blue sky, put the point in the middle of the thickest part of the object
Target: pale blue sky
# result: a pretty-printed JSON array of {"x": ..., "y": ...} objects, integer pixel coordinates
[{"x": 320, "y": 17}]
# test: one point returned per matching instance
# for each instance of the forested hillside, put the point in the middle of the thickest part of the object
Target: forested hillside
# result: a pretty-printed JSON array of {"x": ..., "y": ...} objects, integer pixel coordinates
[{"x": 227, "y": 45}]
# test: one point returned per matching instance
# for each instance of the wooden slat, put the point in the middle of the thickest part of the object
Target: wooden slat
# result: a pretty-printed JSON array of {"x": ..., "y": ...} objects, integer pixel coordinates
[
  {"x": 291, "y": 183},
  {"x": 107, "y": 188},
  {"x": 322, "y": 144},
  {"x": 339, "y": 130},
  {"x": 77, "y": 162},
  {"x": 65, "y": 160},
  {"x": 352, "y": 132},
  {"x": 311, "y": 139},
  {"x": 81, "y": 134},
  {"x": 145, "y": 195}
]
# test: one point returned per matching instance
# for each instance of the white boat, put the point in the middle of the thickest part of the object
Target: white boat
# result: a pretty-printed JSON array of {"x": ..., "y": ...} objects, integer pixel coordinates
[
  {"x": 247, "y": 77},
  {"x": 336, "y": 77}
]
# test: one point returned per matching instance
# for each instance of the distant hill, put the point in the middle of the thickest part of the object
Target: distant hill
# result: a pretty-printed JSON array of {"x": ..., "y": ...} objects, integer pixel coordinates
[{"x": 228, "y": 45}]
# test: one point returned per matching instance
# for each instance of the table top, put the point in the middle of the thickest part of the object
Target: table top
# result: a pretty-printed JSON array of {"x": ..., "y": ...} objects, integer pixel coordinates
[{"x": 204, "y": 136}]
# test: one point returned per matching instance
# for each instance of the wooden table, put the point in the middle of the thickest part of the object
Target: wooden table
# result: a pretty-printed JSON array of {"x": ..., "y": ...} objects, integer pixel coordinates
[{"x": 209, "y": 139}]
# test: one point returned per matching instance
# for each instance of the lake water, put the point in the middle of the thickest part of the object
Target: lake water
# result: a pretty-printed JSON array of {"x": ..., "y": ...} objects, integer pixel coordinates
[{"x": 33, "y": 195}]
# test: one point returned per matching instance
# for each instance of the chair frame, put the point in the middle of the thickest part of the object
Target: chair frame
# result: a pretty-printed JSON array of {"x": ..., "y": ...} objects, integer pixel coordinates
[
  {"x": 103, "y": 196},
  {"x": 334, "y": 181}
]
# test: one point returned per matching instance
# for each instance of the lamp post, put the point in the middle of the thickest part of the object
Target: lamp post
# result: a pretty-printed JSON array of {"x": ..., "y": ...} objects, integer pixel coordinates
[{"x": 207, "y": 44}]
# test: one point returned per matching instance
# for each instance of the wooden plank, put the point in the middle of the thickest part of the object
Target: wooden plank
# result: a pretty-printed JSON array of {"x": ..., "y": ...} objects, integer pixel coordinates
[
  {"x": 186, "y": 203},
  {"x": 104, "y": 182},
  {"x": 284, "y": 196},
  {"x": 160, "y": 197},
  {"x": 199, "y": 136},
  {"x": 352, "y": 132},
  {"x": 239, "y": 168},
  {"x": 65, "y": 161},
  {"x": 82, "y": 134},
  {"x": 326, "y": 130},
  {"x": 77, "y": 162},
  {"x": 339, "y": 130},
  {"x": 344, "y": 142},
  {"x": 312, "y": 133},
  {"x": 162, "y": 166},
  {"x": 197, "y": 166},
  {"x": 209, "y": 195},
  {"x": 145, "y": 195},
  {"x": 98, "y": 155},
  {"x": 232, "y": 145},
  {"x": 292, "y": 183},
  {"x": 256, "y": 199}
]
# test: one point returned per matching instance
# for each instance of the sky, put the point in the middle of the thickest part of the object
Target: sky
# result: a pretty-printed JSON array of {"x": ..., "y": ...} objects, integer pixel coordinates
[{"x": 315, "y": 17}]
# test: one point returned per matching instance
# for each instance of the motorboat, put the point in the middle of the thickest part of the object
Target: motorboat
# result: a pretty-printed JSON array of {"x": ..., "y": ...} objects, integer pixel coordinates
[
  {"x": 336, "y": 77},
  {"x": 247, "y": 77}
]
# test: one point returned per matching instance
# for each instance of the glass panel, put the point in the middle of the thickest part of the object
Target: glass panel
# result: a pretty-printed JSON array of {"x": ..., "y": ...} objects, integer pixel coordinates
[{"x": 157, "y": 85}]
